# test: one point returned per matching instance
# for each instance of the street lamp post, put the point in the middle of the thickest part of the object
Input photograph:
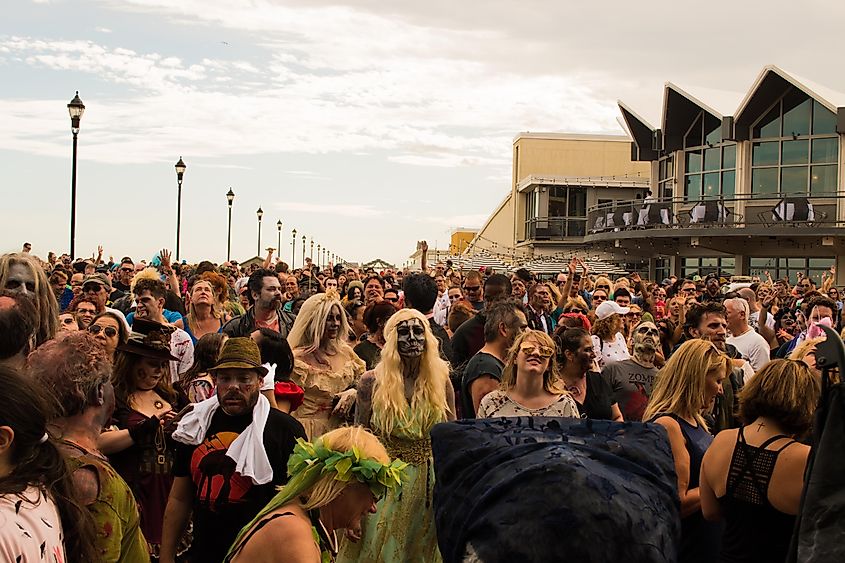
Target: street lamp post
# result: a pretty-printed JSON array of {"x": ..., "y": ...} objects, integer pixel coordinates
[
  {"x": 75, "y": 108},
  {"x": 311, "y": 254},
  {"x": 180, "y": 171},
  {"x": 230, "y": 196},
  {"x": 293, "y": 251},
  {"x": 318, "y": 258},
  {"x": 259, "y": 214},
  {"x": 279, "y": 245},
  {"x": 303, "y": 252}
]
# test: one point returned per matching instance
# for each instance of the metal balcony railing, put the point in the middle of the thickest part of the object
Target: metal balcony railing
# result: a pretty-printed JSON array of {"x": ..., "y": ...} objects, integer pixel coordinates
[
  {"x": 737, "y": 212},
  {"x": 554, "y": 228}
]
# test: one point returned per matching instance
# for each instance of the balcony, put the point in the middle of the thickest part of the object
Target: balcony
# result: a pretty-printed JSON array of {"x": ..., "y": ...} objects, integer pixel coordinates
[
  {"x": 555, "y": 228},
  {"x": 787, "y": 214}
]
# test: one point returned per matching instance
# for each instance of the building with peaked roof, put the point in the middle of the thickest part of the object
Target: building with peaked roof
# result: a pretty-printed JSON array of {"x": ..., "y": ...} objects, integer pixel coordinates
[{"x": 743, "y": 183}]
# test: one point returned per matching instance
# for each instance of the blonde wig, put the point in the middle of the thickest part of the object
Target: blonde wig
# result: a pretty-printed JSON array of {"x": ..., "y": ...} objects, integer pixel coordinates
[
  {"x": 680, "y": 385},
  {"x": 44, "y": 299},
  {"x": 145, "y": 274},
  {"x": 551, "y": 377},
  {"x": 310, "y": 325},
  {"x": 428, "y": 404}
]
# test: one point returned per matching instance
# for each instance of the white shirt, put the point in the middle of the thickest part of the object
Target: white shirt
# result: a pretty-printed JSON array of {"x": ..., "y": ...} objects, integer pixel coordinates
[
  {"x": 441, "y": 308},
  {"x": 607, "y": 352},
  {"x": 182, "y": 348},
  {"x": 753, "y": 348},
  {"x": 26, "y": 527}
]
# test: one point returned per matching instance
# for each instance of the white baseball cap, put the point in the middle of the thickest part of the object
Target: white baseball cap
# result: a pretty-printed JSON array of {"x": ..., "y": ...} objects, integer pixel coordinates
[{"x": 608, "y": 308}]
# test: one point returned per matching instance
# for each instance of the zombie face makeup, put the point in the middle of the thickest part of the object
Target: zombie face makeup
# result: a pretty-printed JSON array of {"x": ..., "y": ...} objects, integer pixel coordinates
[
  {"x": 646, "y": 338},
  {"x": 411, "y": 336}
]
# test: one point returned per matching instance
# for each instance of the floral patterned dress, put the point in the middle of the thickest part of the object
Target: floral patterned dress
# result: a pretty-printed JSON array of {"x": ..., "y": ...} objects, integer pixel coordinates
[{"x": 321, "y": 386}]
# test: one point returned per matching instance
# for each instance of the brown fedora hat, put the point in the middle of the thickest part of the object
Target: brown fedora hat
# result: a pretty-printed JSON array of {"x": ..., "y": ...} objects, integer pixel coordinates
[
  {"x": 240, "y": 353},
  {"x": 150, "y": 340}
]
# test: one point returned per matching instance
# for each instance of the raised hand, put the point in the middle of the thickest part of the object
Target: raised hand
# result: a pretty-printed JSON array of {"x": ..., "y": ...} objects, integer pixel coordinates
[{"x": 165, "y": 258}]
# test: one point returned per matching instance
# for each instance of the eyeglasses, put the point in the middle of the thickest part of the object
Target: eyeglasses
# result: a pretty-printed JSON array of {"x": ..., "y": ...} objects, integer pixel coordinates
[
  {"x": 127, "y": 270},
  {"x": 606, "y": 287},
  {"x": 109, "y": 331},
  {"x": 689, "y": 290},
  {"x": 91, "y": 287},
  {"x": 599, "y": 298},
  {"x": 472, "y": 288},
  {"x": 392, "y": 299},
  {"x": 579, "y": 311},
  {"x": 530, "y": 349}
]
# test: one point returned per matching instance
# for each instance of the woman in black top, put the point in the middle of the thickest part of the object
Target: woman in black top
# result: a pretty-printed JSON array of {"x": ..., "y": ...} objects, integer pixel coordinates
[
  {"x": 593, "y": 395},
  {"x": 375, "y": 317},
  {"x": 753, "y": 477}
]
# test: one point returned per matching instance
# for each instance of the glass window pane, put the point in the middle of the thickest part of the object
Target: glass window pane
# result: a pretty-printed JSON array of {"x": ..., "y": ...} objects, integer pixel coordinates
[
  {"x": 729, "y": 156},
  {"x": 766, "y": 263},
  {"x": 691, "y": 262},
  {"x": 728, "y": 262},
  {"x": 793, "y": 179},
  {"x": 693, "y": 161},
  {"x": 769, "y": 125},
  {"x": 728, "y": 183},
  {"x": 711, "y": 159},
  {"x": 823, "y": 179},
  {"x": 764, "y": 181},
  {"x": 709, "y": 262},
  {"x": 824, "y": 120},
  {"x": 795, "y": 152},
  {"x": 799, "y": 263},
  {"x": 710, "y": 186},
  {"x": 693, "y": 187},
  {"x": 796, "y": 113},
  {"x": 764, "y": 153},
  {"x": 821, "y": 263},
  {"x": 825, "y": 150},
  {"x": 712, "y": 129},
  {"x": 670, "y": 166},
  {"x": 577, "y": 202}
]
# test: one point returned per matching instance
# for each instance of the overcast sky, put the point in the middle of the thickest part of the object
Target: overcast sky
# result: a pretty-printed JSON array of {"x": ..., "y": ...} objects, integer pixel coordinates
[{"x": 366, "y": 125}]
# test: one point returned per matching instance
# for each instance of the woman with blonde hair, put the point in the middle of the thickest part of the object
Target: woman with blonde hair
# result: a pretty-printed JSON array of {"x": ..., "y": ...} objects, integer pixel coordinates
[
  {"x": 205, "y": 313},
  {"x": 531, "y": 384},
  {"x": 753, "y": 477},
  {"x": 22, "y": 274},
  {"x": 401, "y": 400},
  {"x": 806, "y": 352},
  {"x": 334, "y": 481},
  {"x": 324, "y": 364},
  {"x": 609, "y": 342},
  {"x": 685, "y": 387}
]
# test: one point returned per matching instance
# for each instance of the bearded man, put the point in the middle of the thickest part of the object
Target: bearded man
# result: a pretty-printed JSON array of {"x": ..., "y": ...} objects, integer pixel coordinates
[{"x": 632, "y": 379}]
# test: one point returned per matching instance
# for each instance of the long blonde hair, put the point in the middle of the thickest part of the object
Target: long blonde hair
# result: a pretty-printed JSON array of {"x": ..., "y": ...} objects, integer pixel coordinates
[
  {"x": 428, "y": 404},
  {"x": 310, "y": 325},
  {"x": 327, "y": 488},
  {"x": 551, "y": 377},
  {"x": 681, "y": 384}
]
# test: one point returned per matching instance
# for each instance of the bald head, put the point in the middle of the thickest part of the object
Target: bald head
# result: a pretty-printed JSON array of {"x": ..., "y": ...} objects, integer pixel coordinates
[{"x": 748, "y": 294}]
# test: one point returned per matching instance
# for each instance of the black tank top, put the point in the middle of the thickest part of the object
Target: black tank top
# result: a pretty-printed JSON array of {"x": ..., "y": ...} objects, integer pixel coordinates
[{"x": 755, "y": 530}]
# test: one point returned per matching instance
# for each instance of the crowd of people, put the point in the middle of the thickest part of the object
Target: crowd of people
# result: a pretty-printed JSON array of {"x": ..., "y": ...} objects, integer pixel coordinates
[{"x": 211, "y": 412}]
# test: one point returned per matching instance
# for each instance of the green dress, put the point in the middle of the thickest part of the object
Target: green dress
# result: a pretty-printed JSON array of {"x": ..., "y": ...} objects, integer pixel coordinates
[{"x": 402, "y": 529}]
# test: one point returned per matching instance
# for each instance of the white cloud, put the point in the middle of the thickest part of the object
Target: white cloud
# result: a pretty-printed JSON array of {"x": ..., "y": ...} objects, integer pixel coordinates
[{"x": 102, "y": 29}]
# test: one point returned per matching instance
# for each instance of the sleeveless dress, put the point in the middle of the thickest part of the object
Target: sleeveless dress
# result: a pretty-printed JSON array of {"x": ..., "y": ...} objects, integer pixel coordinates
[
  {"x": 755, "y": 530},
  {"x": 700, "y": 539},
  {"x": 320, "y": 386},
  {"x": 402, "y": 529}
]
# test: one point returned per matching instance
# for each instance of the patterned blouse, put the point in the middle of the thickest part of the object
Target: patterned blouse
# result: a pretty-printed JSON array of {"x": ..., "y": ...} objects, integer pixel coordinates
[{"x": 497, "y": 403}]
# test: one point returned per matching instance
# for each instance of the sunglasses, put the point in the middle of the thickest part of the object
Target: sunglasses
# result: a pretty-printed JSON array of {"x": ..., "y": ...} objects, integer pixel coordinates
[
  {"x": 689, "y": 290},
  {"x": 472, "y": 288},
  {"x": 580, "y": 311},
  {"x": 127, "y": 269},
  {"x": 109, "y": 331},
  {"x": 91, "y": 287},
  {"x": 536, "y": 350},
  {"x": 392, "y": 299},
  {"x": 606, "y": 287}
]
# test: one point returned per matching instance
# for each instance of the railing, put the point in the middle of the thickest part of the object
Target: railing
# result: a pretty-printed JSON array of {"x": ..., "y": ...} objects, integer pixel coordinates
[
  {"x": 785, "y": 210},
  {"x": 553, "y": 228}
]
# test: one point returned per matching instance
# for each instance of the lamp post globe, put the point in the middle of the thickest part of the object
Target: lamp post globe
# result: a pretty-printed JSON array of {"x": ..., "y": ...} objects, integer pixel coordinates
[
  {"x": 293, "y": 251},
  {"x": 180, "y": 172},
  {"x": 230, "y": 197}
]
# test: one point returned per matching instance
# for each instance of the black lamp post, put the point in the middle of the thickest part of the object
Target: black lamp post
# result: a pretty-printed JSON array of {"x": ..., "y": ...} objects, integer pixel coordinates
[
  {"x": 311, "y": 254},
  {"x": 318, "y": 258},
  {"x": 180, "y": 172},
  {"x": 303, "y": 251},
  {"x": 259, "y": 214},
  {"x": 293, "y": 250},
  {"x": 75, "y": 108},
  {"x": 230, "y": 196},
  {"x": 279, "y": 246}
]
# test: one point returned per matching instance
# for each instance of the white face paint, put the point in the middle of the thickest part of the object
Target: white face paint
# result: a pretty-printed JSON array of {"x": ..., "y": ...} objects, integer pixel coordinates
[{"x": 411, "y": 336}]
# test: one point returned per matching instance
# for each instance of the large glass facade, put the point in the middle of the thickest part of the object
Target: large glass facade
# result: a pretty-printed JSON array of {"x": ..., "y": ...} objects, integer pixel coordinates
[
  {"x": 780, "y": 268},
  {"x": 724, "y": 266},
  {"x": 795, "y": 148},
  {"x": 710, "y": 164},
  {"x": 568, "y": 205}
]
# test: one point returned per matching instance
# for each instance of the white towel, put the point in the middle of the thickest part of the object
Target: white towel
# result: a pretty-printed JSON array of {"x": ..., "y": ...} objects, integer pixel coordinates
[{"x": 248, "y": 448}]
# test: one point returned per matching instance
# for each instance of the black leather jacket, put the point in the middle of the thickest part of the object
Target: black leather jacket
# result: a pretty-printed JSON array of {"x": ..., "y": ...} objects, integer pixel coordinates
[{"x": 244, "y": 325}]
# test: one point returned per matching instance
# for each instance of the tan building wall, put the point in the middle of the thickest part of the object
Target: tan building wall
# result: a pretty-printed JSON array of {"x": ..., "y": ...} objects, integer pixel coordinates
[{"x": 460, "y": 240}]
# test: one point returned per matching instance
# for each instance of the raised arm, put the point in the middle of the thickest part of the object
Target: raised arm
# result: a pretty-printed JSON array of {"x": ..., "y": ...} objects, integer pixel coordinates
[{"x": 567, "y": 287}]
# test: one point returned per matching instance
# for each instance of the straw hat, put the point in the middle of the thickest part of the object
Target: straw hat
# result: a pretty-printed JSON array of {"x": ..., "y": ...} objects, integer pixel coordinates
[{"x": 240, "y": 353}]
